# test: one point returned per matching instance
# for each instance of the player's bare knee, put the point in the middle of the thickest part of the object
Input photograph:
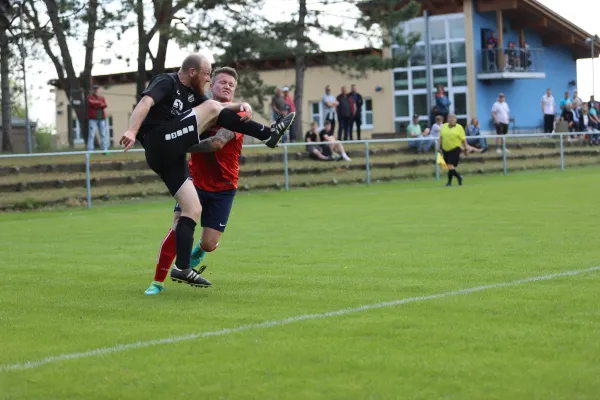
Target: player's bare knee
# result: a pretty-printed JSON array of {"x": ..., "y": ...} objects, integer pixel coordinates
[{"x": 209, "y": 245}]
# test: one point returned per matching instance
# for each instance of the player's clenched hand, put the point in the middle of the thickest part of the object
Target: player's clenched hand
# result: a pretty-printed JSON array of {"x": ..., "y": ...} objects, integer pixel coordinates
[
  {"x": 128, "y": 140},
  {"x": 245, "y": 107}
]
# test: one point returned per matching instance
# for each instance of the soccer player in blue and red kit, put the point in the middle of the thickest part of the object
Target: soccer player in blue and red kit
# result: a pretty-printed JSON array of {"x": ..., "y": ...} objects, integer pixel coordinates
[{"x": 214, "y": 168}]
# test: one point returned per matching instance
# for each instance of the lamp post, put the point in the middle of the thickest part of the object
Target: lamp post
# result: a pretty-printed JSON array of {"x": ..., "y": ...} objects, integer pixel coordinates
[{"x": 590, "y": 42}]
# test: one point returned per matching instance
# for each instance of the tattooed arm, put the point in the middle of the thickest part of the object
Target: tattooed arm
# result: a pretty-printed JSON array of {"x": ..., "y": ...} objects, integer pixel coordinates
[{"x": 213, "y": 143}]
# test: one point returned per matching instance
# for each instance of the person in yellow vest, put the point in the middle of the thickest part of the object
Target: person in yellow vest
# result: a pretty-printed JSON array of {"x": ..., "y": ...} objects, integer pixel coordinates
[{"x": 452, "y": 141}]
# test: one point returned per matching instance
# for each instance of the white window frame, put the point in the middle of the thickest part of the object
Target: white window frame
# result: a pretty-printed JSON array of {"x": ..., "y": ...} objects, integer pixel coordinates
[
  {"x": 77, "y": 137},
  {"x": 364, "y": 112},
  {"x": 410, "y": 92},
  {"x": 320, "y": 118},
  {"x": 110, "y": 121}
]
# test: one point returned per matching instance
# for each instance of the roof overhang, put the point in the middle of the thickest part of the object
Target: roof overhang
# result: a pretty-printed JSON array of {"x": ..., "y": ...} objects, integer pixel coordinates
[{"x": 552, "y": 27}]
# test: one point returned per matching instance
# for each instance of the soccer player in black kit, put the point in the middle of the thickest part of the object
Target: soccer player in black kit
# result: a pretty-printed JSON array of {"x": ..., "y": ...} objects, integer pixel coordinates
[{"x": 168, "y": 121}]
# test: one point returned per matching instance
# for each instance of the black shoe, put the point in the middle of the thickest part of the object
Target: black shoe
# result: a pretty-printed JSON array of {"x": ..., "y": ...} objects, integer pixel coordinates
[
  {"x": 448, "y": 185},
  {"x": 278, "y": 128},
  {"x": 484, "y": 150},
  {"x": 459, "y": 181},
  {"x": 189, "y": 276}
]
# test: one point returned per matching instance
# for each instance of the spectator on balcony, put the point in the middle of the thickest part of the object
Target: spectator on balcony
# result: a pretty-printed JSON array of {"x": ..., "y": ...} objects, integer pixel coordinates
[
  {"x": 97, "y": 119},
  {"x": 415, "y": 133},
  {"x": 344, "y": 112},
  {"x": 290, "y": 107},
  {"x": 327, "y": 138},
  {"x": 489, "y": 59},
  {"x": 512, "y": 57},
  {"x": 549, "y": 110},
  {"x": 474, "y": 137},
  {"x": 525, "y": 56},
  {"x": 329, "y": 107},
  {"x": 576, "y": 102},
  {"x": 501, "y": 115},
  {"x": 563, "y": 103},
  {"x": 314, "y": 149},
  {"x": 492, "y": 40},
  {"x": 442, "y": 103}
]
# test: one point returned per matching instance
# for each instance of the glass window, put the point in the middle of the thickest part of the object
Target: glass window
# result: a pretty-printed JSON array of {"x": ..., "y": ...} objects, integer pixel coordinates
[
  {"x": 417, "y": 58},
  {"x": 417, "y": 27},
  {"x": 437, "y": 30},
  {"x": 420, "y": 104},
  {"x": 457, "y": 28},
  {"x": 462, "y": 121},
  {"x": 460, "y": 103},
  {"x": 424, "y": 124},
  {"x": 401, "y": 80},
  {"x": 459, "y": 76},
  {"x": 398, "y": 51},
  {"x": 440, "y": 77},
  {"x": 367, "y": 112},
  {"x": 400, "y": 126},
  {"x": 439, "y": 54},
  {"x": 401, "y": 104},
  {"x": 419, "y": 79},
  {"x": 457, "y": 53},
  {"x": 315, "y": 112},
  {"x": 109, "y": 127}
]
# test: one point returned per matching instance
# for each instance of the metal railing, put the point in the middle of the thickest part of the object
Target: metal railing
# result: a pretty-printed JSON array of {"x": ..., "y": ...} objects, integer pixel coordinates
[
  {"x": 513, "y": 59},
  {"x": 286, "y": 146}
]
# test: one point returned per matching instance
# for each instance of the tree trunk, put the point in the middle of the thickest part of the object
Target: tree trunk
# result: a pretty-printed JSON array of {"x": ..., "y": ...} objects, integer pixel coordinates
[
  {"x": 140, "y": 81},
  {"x": 300, "y": 66},
  {"x": 163, "y": 13},
  {"x": 86, "y": 76},
  {"x": 5, "y": 87}
]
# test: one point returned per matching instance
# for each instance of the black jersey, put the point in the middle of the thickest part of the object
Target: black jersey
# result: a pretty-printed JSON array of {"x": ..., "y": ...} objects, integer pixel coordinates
[{"x": 171, "y": 99}]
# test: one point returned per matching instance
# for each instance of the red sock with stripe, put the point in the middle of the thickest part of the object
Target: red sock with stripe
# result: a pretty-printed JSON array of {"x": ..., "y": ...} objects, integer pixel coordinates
[{"x": 168, "y": 251}]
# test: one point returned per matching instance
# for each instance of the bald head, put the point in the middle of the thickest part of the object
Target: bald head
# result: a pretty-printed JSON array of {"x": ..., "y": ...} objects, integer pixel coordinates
[{"x": 195, "y": 61}]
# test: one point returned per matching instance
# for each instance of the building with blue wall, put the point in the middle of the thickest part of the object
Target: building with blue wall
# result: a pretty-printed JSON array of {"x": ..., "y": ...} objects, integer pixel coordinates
[{"x": 474, "y": 75}]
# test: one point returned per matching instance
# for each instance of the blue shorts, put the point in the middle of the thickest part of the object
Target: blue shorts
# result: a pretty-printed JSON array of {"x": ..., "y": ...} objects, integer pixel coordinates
[{"x": 216, "y": 207}]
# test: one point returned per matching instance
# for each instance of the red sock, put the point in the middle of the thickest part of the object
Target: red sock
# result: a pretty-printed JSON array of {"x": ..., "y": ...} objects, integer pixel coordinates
[{"x": 168, "y": 251}]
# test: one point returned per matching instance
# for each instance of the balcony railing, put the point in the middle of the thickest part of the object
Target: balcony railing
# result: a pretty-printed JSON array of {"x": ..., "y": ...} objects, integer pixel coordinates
[{"x": 511, "y": 63}]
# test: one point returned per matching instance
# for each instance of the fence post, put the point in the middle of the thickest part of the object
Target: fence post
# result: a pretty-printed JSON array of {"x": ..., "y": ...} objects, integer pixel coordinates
[
  {"x": 562, "y": 153},
  {"x": 88, "y": 183},
  {"x": 437, "y": 166},
  {"x": 367, "y": 163},
  {"x": 285, "y": 168},
  {"x": 504, "y": 155}
]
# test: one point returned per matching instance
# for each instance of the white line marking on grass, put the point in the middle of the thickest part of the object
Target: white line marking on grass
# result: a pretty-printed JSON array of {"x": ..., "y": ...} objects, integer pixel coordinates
[{"x": 268, "y": 324}]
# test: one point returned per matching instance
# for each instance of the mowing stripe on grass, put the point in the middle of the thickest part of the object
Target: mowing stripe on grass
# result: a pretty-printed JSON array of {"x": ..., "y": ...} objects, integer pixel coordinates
[{"x": 280, "y": 322}]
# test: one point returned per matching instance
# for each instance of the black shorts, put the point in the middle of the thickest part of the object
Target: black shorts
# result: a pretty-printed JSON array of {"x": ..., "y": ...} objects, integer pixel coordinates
[
  {"x": 453, "y": 156},
  {"x": 166, "y": 148},
  {"x": 501, "y": 129},
  {"x": 216, "y": 207}
]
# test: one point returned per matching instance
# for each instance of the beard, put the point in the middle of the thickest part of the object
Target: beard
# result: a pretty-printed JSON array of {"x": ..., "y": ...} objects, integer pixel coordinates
[{"x": 198, "y": 86}]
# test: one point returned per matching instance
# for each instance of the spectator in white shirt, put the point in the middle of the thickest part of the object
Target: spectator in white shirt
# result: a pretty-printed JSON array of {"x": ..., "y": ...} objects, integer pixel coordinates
[
  {"x": 549, "y": 110},
  {"x": 329, "y": 107},
  {"x": 501, "y": 115},
  {"x": 576, "y": 101},
  {"x": 437, "y": 127}
]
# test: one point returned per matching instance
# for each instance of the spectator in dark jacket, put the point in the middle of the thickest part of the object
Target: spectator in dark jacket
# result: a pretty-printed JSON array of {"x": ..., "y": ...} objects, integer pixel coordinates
[
  {"x": 97, "y": 119},
  {"x": 358, "y": 104},
  {"x": 344, "y": 112},
  {"x": 442, "y": 103}
]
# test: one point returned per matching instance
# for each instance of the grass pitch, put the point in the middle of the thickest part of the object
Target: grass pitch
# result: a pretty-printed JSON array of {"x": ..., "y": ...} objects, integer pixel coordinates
[{"x": 73, "y": 281}]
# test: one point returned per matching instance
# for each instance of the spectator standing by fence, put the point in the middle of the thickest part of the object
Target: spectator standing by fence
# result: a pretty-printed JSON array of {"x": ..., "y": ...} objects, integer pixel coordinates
[
  {"x": 358, "y": 104},
  {"x": 576, "y": 102},
  {"x": 344, "y": 112},
  {"x": 330, "y": 104},
  {"x": 278, "y": 105},
  {"x": 290, "y": 107},
  {"x": 97, "y": 119},
  {"x": 549, "y": 110},
  {"x": 501, "y": 115}
]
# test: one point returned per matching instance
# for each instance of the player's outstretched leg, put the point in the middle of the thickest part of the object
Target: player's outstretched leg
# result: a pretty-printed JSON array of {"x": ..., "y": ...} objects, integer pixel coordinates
[
  {"x": 197, "y": 256},
  {"x": 279, "y": 128}
]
